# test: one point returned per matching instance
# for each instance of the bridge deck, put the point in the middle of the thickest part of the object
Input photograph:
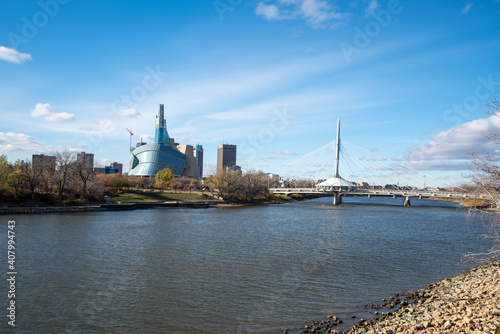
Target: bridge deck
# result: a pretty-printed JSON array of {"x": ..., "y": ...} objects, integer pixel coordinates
[{"x": 377, "y": 192}]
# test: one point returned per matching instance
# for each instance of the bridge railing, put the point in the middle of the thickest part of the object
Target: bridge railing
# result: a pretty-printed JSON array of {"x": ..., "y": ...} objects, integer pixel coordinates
[{"x": 381, "y": 192}]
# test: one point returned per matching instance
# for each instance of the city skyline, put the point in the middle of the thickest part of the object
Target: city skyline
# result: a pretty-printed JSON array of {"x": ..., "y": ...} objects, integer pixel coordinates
[{"x": 409, "y": 80}]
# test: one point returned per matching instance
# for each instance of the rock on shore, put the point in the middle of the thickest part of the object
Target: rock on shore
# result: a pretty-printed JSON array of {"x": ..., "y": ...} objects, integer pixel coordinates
[{"x": 467, "y": 303}]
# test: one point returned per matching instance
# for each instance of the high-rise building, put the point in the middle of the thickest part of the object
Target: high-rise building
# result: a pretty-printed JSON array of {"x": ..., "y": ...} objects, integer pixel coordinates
[
  {"x": 87, "y": 159},
  {"x": 198, "y": 154},
  {"x": 44, "y": 161},
  {"x": 117, "y": 166},
  {"x": 106, "y": 170},
  {"x": 226, "y": 157}
]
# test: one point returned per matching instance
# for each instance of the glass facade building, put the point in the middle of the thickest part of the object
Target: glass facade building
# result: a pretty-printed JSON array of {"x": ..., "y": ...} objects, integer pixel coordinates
[{"x": 148, "y": 159}]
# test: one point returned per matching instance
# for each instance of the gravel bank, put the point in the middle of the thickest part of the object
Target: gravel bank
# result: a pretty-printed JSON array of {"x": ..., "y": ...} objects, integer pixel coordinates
[{"x": 467, "y": 303}]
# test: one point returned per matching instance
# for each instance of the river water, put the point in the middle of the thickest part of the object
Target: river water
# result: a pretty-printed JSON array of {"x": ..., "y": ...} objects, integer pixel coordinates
[{"x": 232, "y": 270}]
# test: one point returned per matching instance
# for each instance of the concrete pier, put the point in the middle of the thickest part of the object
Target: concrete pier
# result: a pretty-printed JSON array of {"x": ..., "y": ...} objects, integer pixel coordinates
[{"x": 337, "y": 199}]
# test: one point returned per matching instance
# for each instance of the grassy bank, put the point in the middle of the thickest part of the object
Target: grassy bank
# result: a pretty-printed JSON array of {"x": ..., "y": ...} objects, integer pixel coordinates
[{"x": 155, "y": 196}]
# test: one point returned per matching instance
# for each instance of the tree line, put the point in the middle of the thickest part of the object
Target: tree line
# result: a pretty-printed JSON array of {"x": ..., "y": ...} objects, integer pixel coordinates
[
  {"x": 237, "y": 187},
  {"x": 65, "y": 179},
  {"x": 51, "y": 178}
]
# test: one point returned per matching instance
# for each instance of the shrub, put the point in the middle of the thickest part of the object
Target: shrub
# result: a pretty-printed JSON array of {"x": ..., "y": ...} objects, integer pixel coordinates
[{"x": 47, "y": 199}]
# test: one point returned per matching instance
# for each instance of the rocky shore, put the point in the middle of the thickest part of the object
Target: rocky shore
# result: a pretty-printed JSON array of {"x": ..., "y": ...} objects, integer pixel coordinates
[{"x": 467, "y": 303}]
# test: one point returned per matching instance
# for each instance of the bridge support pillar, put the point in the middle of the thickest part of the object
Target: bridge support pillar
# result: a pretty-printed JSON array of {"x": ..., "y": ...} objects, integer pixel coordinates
[
  {"x": 337, "y": 199},
  {"x": 407, "y": 201}
]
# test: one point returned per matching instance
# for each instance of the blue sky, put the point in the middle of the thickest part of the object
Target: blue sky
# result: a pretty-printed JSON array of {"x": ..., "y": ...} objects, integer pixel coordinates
[{"x": 409, "y": 79}]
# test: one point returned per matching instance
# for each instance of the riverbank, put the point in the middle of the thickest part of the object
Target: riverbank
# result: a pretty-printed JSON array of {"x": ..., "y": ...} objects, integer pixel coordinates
[
  {"x": 106, "y": 207},
  {"x": 128, "y": 206},
  {"x": 467, "y": 303}
]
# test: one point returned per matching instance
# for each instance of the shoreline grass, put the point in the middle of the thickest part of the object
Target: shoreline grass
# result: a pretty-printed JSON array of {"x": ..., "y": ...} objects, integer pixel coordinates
[{"x": 164, "y": 196}]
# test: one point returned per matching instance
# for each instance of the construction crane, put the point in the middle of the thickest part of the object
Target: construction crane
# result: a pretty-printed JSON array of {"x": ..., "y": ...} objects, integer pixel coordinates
[{"x": 131, "y": 134}]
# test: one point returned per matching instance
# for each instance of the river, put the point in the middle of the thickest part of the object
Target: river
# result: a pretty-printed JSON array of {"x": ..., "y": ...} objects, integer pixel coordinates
[{"x": 233, "y": 270}]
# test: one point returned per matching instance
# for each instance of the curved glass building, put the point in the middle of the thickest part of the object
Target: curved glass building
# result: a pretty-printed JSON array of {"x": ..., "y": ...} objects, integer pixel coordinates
[{"x": 148, "y": 159}]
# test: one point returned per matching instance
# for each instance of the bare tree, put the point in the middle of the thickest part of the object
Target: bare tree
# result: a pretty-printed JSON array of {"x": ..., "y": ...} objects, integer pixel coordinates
[
  {"x": 234, "y": 186},
  {"x": 85, "y": 172},
  {"x": 32, "y": 176},
  {"x": 64, "y": 165},
  {"x": 486, "y": 177}
]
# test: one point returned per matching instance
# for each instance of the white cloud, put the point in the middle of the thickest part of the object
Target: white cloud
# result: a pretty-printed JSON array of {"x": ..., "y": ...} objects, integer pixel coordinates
[
  {"x": 59, "y": 117},
  {"x": 44, "y": 109},
  {"x": 317, "y": 13},
  {"x": 467, "y": 8},
  {"x": 285, "y": 153},
  {"x": 372, "y": 6},
  {"x": 41, "y": 109},
  {"x": 270, "y": 12},
  {"x": 20, "y": 142},
  {"x": 147, "y": 138},
  {"x": 13, "y": 56},
  {"x": 268, "y": 157},
  {"x": 448, "y": 149},
  {"x": 127, "y": 113}
]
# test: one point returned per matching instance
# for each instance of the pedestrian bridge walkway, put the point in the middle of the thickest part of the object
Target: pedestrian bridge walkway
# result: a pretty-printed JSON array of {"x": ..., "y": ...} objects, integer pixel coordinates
[{"x": 406, "y": 194}]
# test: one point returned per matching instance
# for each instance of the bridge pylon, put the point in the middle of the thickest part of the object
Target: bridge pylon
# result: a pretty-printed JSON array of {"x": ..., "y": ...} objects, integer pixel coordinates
[{"x": 337, "y": 198}]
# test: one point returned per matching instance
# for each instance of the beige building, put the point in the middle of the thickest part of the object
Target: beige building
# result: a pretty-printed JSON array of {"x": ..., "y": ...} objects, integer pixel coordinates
[{"x": 194, "y": 167}]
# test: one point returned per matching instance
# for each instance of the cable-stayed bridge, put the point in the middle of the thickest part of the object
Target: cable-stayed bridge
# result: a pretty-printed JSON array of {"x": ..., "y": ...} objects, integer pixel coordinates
[{"x": 345, "y": 169}]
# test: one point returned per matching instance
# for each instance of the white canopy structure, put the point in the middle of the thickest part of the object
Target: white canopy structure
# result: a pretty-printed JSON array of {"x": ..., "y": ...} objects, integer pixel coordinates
[{"x": 335, "y": 184}]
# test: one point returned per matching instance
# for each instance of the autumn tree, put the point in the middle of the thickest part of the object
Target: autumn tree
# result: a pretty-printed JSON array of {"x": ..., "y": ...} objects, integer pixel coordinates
[
  {"x": 5, "y": 169},
  {"x": 164, "y": 177},
  {"x": 15, "y": 180},
  {"x": 191, "y": 185}
]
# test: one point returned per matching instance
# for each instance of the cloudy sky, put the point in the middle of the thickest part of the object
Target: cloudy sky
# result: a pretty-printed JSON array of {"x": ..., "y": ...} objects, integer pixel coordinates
[{"x": 408, "y": 79}]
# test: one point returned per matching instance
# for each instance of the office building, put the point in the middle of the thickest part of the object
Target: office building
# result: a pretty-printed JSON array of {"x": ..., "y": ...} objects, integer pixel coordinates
[
  {"x": 198, "y": 154},
  {"x": 87, "y": 159},
  {"x": 44, "y": 161},
  {"x": 226, "y": 158},
  {"x": 106, "y": 170},
  {"x": 117, "y": 166}
]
